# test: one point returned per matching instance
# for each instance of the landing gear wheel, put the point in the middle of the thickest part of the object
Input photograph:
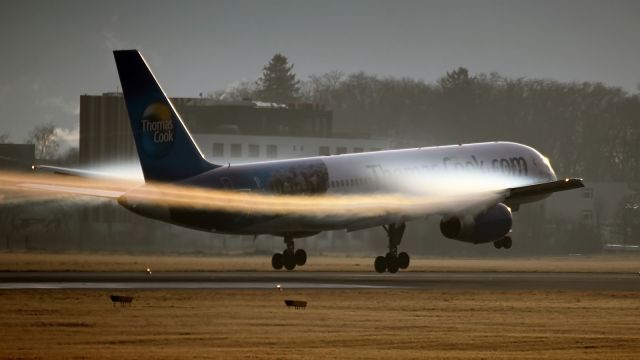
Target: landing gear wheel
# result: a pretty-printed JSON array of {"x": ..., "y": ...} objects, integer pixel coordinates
[
  {"x": 392, "y": 266},
  {"x": 380, "y": 264},
  {"x": 289, "y": 260},
  {"x": 403, "y": 260},
  {"x": 392, "y": 263},
  {"x": 506, "y": 242},
  {"x": 301, "y": 257},
  {"x": 277, "y": 261},
  {"x": 497, "y": 244}
]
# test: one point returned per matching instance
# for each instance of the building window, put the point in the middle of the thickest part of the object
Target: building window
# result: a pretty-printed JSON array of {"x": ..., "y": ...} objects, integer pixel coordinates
[
  {"x": 358, "y": 150},
  {"x": 341, "y": 150},
  {"x": 587, "y": 215},
  {"x": 587, "y": 193},
  {"x": 254, "y": 150},
  {"x": 236, "y": 150},
  {"x": 272, "y": 151},
  {"x": 218, "y": 149},
  {"x": 324, "y": 151}
]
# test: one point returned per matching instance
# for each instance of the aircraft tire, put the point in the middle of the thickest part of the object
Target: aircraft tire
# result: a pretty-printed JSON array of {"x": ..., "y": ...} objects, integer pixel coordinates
[
  {"x": 497, "y": 244},
  {"x": 380, "y": 264},
  {"x": 392, "y": 266},
  {"x": 301, "y": 257},
  {"x": 507, "y": 242},
  {"x": 403, "y": 260},
  {"x": 277, "y": 261},
  {"x": 289, "y": 260}
]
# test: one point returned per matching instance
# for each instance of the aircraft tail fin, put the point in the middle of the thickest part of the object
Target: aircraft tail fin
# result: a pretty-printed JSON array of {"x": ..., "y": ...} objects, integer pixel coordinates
[{"x": 166, "y": 149}]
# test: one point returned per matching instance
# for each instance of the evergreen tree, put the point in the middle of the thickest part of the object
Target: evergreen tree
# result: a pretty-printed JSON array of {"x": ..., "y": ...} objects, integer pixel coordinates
[{"x": 278, "y": 82}]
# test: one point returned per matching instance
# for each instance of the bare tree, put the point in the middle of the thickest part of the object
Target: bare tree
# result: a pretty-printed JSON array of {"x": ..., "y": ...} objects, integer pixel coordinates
[
  {"x": 4, "y": 138},
  {"x": 45, "y": 141},
  {"x": 236, "y": 92}
]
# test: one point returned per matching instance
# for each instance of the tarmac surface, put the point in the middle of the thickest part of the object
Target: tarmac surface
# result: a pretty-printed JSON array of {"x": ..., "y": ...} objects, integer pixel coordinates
[{"x": 319, "y": 280}]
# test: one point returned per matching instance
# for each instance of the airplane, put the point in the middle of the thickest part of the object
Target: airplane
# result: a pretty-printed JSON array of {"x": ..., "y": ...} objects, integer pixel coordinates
[{"x": 516, "y": 174}]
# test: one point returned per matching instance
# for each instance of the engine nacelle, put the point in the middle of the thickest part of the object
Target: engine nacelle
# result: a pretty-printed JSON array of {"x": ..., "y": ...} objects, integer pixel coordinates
[{"x": 490, "y": 225}]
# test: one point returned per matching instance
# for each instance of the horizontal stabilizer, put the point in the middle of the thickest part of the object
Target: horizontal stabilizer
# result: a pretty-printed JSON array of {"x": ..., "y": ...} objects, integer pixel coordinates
[{"x": 74, "y": 190}]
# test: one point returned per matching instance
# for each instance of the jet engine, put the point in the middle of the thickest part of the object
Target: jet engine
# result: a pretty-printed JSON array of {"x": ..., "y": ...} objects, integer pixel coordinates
[{"x": 490, "y": 225}]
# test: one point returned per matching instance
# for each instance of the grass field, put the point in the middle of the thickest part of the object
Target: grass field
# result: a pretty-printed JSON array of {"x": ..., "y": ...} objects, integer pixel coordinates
[
  {"x": 350, "y": 324},
  {"x": 16, "y": 261}
]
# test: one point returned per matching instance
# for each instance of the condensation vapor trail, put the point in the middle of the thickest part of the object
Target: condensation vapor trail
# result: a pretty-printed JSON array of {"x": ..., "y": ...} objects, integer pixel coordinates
[
  {"x": 305, "y": 205},
  {"x": 247, "y": 202},
  {"x": 13, "y": 191}
]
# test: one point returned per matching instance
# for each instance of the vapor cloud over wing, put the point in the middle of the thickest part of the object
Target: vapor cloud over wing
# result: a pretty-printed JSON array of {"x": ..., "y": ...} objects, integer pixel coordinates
[{"x": 33, "y": 187}]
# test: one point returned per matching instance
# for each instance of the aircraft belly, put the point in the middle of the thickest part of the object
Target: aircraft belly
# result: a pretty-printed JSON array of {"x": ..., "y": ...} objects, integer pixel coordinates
[
  {"x": 238, "y": 223},
  {"x": 292, "y": 224}
]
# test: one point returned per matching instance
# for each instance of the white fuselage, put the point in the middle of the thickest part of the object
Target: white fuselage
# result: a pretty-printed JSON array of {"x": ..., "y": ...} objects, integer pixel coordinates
[
  {"x": 503, "y": 163},
  {"x": 454, "y": 170}
]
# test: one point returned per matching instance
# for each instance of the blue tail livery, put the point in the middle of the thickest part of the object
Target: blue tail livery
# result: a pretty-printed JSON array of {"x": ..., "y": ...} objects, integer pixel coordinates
[{"x": 166, "y": 149}]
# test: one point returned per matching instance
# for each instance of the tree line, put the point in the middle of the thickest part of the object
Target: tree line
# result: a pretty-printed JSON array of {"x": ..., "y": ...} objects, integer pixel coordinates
[{"x": 588, "y": 129}]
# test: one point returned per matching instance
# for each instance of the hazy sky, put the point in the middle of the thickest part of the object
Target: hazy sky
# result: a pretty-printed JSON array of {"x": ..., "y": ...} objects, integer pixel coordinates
[{"x": 53, "y": 51}]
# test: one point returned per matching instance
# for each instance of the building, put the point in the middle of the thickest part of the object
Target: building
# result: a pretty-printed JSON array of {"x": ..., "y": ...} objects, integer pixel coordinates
[
  {"x": 235, "y": 132},
  {"x": 608, "y": 209},
  {"x": 17, "y": 157}
]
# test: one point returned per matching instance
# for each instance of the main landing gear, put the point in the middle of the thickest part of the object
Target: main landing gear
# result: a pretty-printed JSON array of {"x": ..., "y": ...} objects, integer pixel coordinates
[
  {"x": 289, "y": 258},
  {"x": 505, "y": 242},
  {"x": 393, "y": 261}
]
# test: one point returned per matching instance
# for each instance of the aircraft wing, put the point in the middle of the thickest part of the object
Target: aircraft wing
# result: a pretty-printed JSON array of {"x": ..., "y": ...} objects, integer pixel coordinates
[
  {"x": 517, "y": 195},
  {"x": 473, "y": 203}
]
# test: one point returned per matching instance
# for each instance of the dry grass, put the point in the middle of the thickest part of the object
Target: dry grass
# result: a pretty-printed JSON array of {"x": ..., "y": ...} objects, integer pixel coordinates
[
  {"x": 10, "y": 261},
  {"x": 353, "y": 324}
]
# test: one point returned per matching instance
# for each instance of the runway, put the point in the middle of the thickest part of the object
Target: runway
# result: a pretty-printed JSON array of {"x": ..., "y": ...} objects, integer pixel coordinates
[{"x": 322, "y": 280}]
